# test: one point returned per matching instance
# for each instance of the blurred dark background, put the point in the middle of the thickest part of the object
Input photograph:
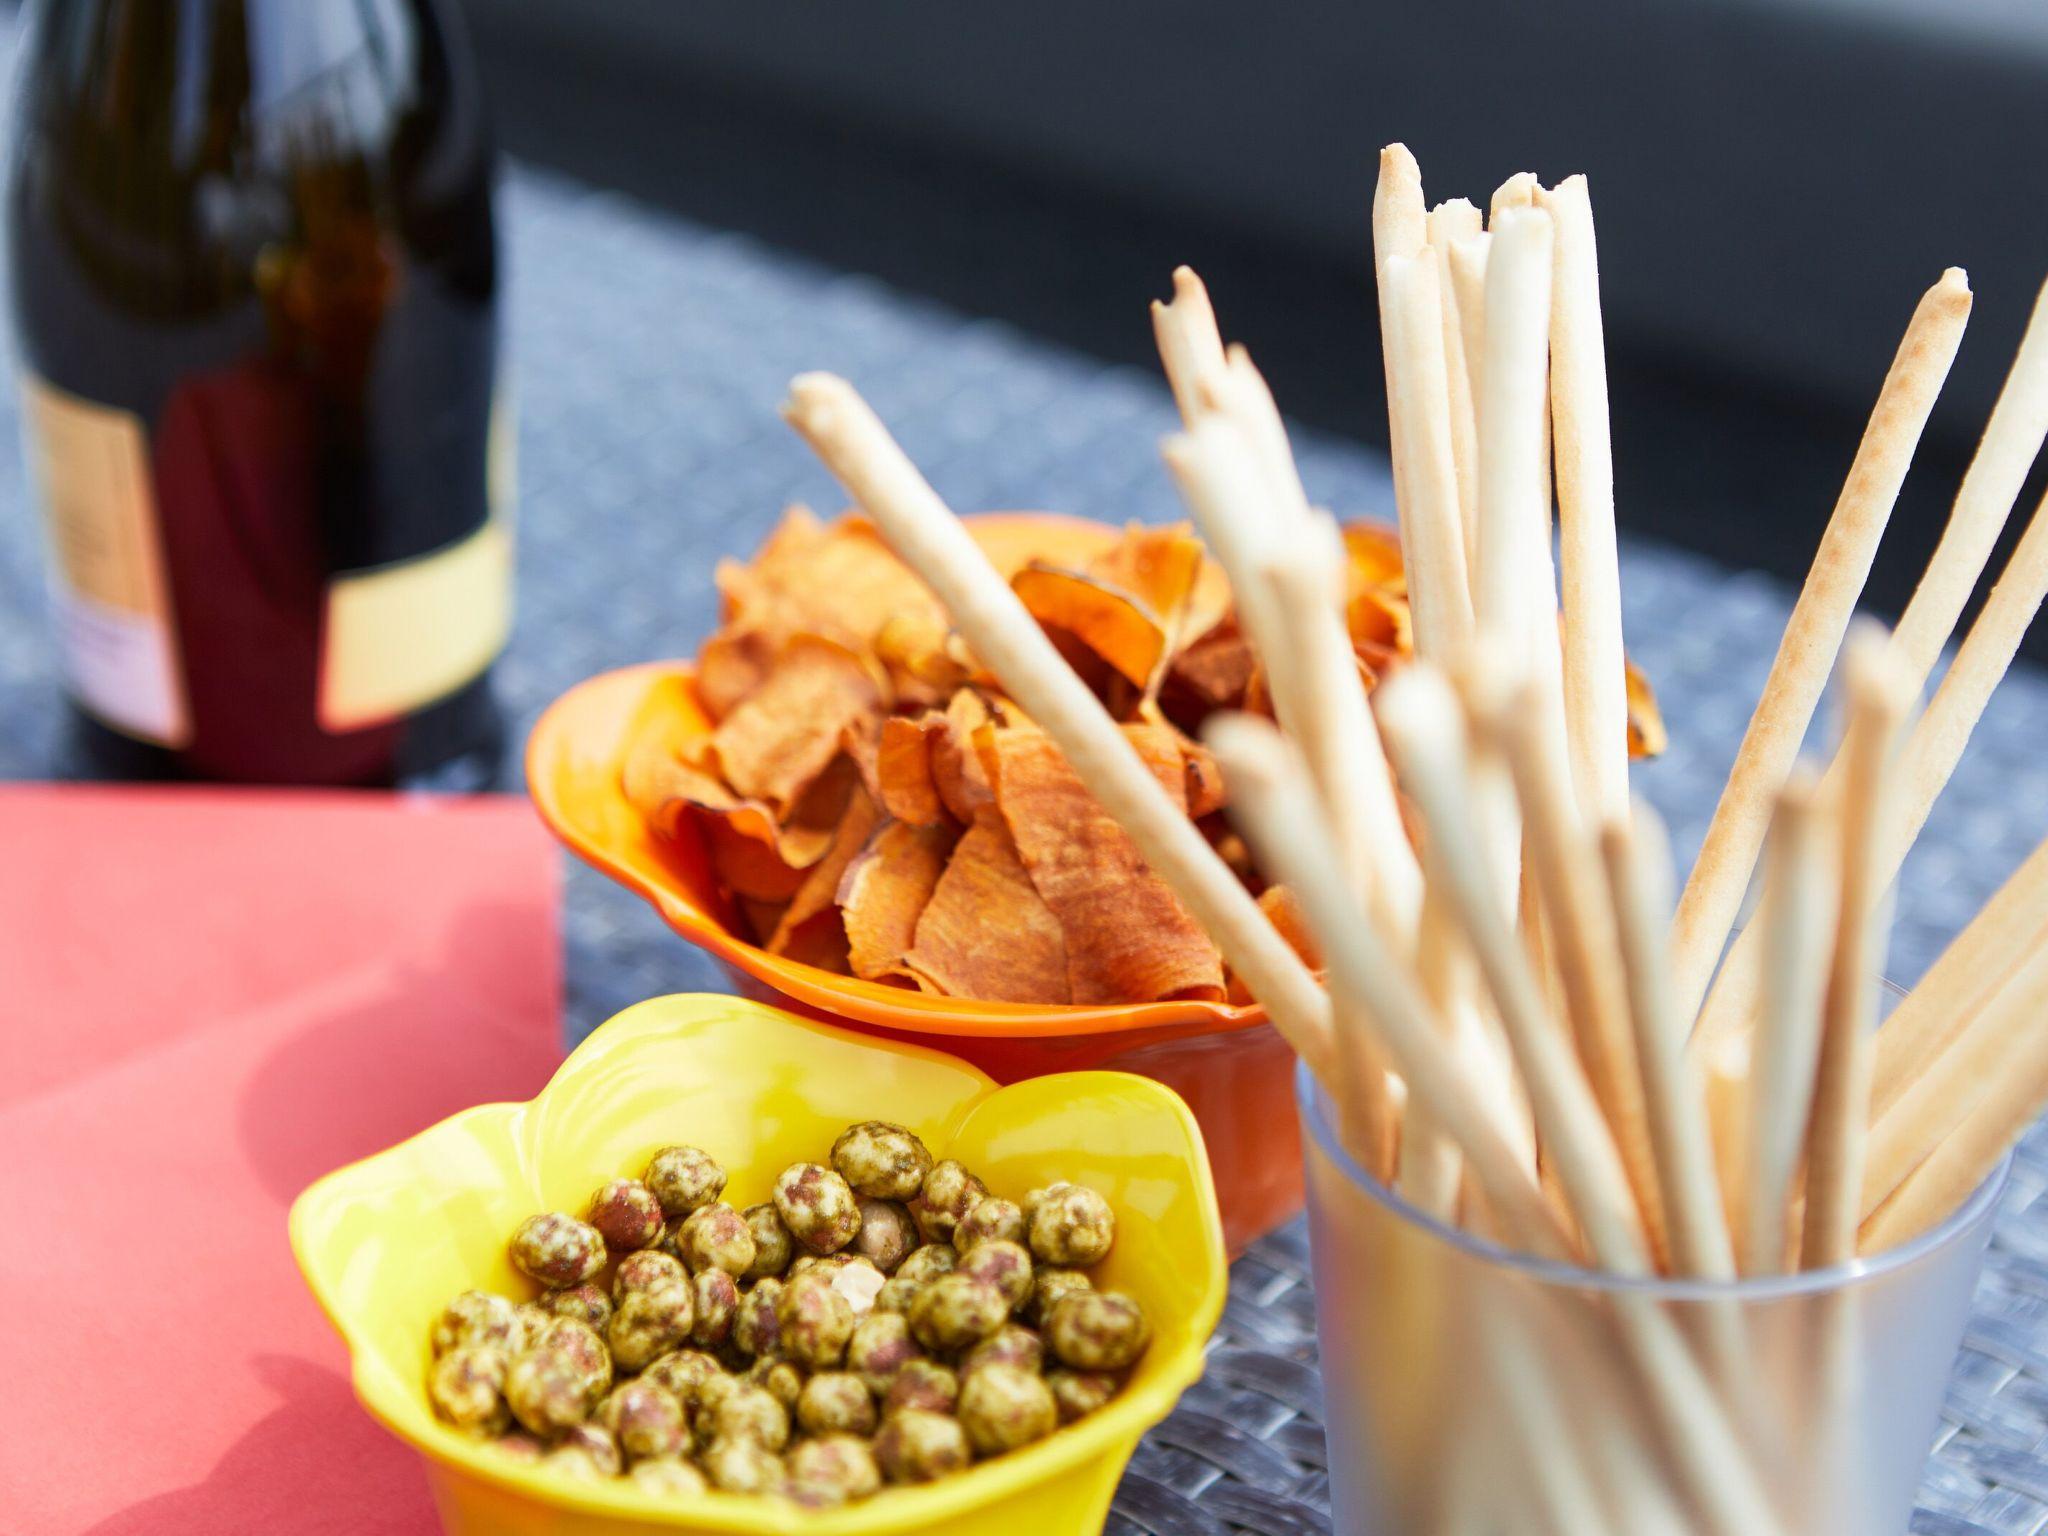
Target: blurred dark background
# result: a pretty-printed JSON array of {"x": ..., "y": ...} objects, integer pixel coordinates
[{"x": 1775, "y": 181}]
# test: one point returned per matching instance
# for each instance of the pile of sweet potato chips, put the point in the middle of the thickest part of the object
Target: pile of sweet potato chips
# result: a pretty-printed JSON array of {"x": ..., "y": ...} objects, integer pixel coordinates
[{"x": 871, "y": 804}]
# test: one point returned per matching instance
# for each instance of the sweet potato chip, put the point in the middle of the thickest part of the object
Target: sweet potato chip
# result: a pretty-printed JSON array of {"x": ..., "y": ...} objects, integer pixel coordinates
[
  {"x": 1168, "y": 571},
  {"x": 748, "y": 852},
  {"x": 1646, "y": 735},
  {"x": 1127, "y": 936},
  {"x": 1205, "y": 794},
  {"x": 1374, "y": 550},
  {"x": 885, "y": 891},
  {"x": 986, "y": 932},
  {"x": 1110, "y": 622},
  {"x": 1214, "y": 672},
  {"x": 1379, "y": 617},
  {"x": 840, "y": 581},
  {"x": 821, "y": 882},
  {"x": 1285, "y": 914},
  {"x": 786, "y": 732},
  {"x": 903, "y": 770},
  {"x": 820, "y": 943},
  {"x": 957, "y": 772}
]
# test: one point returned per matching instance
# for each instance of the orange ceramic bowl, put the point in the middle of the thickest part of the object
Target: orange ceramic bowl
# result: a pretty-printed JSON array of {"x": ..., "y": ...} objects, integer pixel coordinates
[{"x": 1226, "y": 1062}]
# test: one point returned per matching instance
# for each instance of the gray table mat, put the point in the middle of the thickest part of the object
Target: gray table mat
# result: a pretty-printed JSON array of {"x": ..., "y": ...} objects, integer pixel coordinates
[{"x": 650, "y": 355}]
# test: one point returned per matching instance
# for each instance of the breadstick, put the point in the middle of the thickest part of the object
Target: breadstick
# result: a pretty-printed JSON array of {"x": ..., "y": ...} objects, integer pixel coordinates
[
  {"x": 1448, "y": 222},
  {"x": 1240, "y": 391},
  {"x": 1972, "y": 1150},
  {"x": 1189, "y": 344},
  {"x": 1419, "y": 719},
  {"x": 1836, "y": 1136},
  {"x": 1579, "y": 919},
  {"x": 1342, "y": 742},
  {"x": 1797, "y": 920},
  {"x": 1467, "y": 259},
  {"x": 2012, "y": 925},
  {"x": 1637, "y": 858},
  {"x": 1518, "y": 191},
  {"x": 1400, "y": 227},
  {"x": 1983, "y": 504},
  {"x": 1595, "y": 678},
  {"x": 857, "y": 448},
  {"x": 1432, "y": 530},
  {"x": 1512, "y": 583},
  {"x": 1805, "y": 656},
  {"x": 1272, "y": 805},
  {"x": 1935, "y": 1103}
]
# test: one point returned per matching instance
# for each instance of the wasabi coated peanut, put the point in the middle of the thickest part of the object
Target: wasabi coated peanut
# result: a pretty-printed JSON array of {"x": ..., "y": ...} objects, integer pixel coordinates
[
  {"x": 833, "y": 1469},
  {"x": 1097, "y": 1331},
  {"x": 1069, "y": 1225},
  {"x": 683, "y": 1372},
  {"x": 1048, "y": 1286},
  {"x": 716, "y": 1297},
  {"x": 991, "y": 1219},
  {"x": 919, "y": 1447},
  {"x": 577, "y": 1346},
  {"x": 531, "y": 1321},
  {"x": 781, "y": 1380},
  {"x": 815, "y": 1322},
  {"x": 669, "y": 1477},
  {"x": 1004, "y": 1407},
  {"x": 1079, "y": 1393},
  {"x": 922, "y": 1384},
  {"x": 949, "y": 1193},
  {"x": 887, "y": 1234},
  {"x": 880, "y": 1160},
  {"x": 467, "y": 1388},
  {"x": 756, "y": 1327},
  {"x": 596, "y": 1442},
  {"x": 957, "y": 1311},
  {"x": 587, "y": 1303},
  {"x": 648, "y": 1270},
  {"x": 646, "y": 1419},
  {"x": 772, "y": 1245},
  {"x": 897, "y": 1295},
  {"x": 880, "y": 1347},
  {"x": 517, "y": 1445},
  {"x": 573, "y": 1459},
  {"x": 684, "y": 1178},
  {"x": 546, "y": 1394},
  {"x": 477, "y": 1319},
  {"x": 835, "y": 1403},
  {"x": 556, "y": 1250},
  {"x": 626, "y": 1215},
  {"x": 751, "y": 1413},
  {"x": 927, "y": 1263},
  {"x": 648, "y": 1324},
  {"x": 715, "y": 1236},
  {"x": 817, "y": 1206},
  {"x": 744, "y": 1466},
  {"x": 1004, "y": 1265},
  {"x": 1008, "y": 1345}
]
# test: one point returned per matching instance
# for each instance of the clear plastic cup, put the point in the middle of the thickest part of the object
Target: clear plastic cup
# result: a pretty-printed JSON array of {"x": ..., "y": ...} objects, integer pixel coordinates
[{"x": 1472, "y": 1391}]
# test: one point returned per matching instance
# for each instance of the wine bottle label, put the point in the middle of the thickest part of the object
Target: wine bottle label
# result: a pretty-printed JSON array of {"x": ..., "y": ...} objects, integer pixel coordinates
[
  {"x": 405, "y": 634},
  {"x": 108, "y": 588}
]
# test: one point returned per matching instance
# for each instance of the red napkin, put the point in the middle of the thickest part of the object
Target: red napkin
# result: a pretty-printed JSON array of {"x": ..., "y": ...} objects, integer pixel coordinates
[{"x": 207, "y": 999}]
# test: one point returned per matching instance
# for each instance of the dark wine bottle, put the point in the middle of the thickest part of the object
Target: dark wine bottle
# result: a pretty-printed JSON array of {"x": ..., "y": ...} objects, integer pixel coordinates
[{"x": 255, "y": 282}]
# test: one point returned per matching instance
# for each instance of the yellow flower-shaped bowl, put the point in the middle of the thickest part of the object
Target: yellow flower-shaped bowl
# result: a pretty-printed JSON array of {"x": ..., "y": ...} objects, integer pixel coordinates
[{"x": 386, "y": 1242}]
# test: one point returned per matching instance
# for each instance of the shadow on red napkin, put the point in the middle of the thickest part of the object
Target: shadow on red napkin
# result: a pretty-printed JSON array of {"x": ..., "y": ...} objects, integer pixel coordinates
[{"x": 210, "y": 998}]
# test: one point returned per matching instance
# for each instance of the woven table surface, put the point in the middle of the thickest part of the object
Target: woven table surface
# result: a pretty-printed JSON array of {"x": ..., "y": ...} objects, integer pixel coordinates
[{"x": 650, "y": 354}]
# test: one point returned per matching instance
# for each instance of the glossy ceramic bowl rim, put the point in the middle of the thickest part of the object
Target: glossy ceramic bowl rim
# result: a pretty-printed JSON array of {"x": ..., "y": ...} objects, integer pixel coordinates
[
  {"x": 851, "y": 996},
  {"x": 1127, "y": 1416}
]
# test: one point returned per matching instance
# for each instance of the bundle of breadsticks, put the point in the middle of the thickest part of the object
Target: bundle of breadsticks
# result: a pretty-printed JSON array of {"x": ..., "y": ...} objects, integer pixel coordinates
[{"x": 1516, "y": 1029}]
